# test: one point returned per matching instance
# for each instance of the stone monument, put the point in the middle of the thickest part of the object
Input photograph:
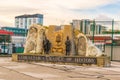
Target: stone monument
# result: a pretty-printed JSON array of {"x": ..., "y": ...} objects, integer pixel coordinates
[
  {"x": 53, "y": 42},
  {"x": 36, "y": 36}
]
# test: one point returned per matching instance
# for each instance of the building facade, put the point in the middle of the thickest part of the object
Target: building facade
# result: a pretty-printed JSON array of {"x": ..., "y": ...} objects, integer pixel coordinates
[
  {"x": 24, "y": 21},
  {"x": 88, "y": 26},
  {"x": 82, "y": 25},
  {"x": 76, "y": 24},
  {"x": 18, "y": 39},
  {"x": 85, "y": 26},
  {"x": 16, "y": 31},
  {"x": 5, "y": 42},
  {"x": 98, "y": 29}
]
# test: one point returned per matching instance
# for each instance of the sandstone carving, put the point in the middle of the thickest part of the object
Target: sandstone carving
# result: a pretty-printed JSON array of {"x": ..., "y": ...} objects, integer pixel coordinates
[
  {"x": 92, "y": 50},
  {"x": 37, "y": 34},
  {"x": 40, "y": 38},
  {"x": 86, "y": 48},
  {"x": 34, "y": 40},
  {"x": 81, "y": 44}
]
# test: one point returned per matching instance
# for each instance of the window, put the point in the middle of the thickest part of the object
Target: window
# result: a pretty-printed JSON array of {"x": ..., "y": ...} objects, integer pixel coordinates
[
  {"x": 29, "y": 21},
  {"x": 21, "y": 20},
  {"x": 17, "y": 20},
  {"x": 17, "y": 26},
  {"x": 34, "y": 20},
  {"x": 21, "y": 23}
]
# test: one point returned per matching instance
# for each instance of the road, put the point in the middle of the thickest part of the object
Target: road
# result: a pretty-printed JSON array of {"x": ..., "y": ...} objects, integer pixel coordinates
[{"x": 45, "y": 71}]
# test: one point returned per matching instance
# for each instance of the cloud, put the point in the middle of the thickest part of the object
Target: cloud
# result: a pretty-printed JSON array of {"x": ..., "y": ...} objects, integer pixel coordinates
[
  {"x": 82, "y": 4},
  {"x": 103, "y": 17},
  {"x": 55, "y": 11},
  {"x": 5, "y": 21},
  {"x": 7, "y": 14},
  {"x": 16, "y": 10}
]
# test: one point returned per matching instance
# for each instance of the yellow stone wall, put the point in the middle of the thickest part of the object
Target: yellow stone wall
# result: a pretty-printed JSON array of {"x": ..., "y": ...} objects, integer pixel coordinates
[
  {"x": 14, "y": 57},
  {"x": 51, "y": 35}
]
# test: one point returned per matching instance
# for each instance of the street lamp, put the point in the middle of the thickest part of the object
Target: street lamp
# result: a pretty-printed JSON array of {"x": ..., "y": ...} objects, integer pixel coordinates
[
  {"x": 93, "y": 26},
  {"x": 4, "y": 43},
  {"x": 25, "y": 25},
  {"x": 112, "y": 39}
]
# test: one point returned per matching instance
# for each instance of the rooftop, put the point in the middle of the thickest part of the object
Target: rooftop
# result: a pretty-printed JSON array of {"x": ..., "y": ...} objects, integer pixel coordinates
[
  {"x": 28, "y": 15},
  {"x": 12, "y": 28}
]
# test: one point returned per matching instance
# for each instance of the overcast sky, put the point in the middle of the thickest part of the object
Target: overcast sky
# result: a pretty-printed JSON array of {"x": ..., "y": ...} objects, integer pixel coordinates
[{"x": 59, "y": 11}]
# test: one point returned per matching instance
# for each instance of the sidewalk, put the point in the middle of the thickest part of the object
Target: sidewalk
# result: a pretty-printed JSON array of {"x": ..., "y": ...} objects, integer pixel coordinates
[{"x": 45, "y": 71}]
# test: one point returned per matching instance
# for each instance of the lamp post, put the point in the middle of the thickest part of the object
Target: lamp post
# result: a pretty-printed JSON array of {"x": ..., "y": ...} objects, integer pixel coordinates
[
  {"x": 4, "y": 42},
  {"x": 85, "y": 27},
  {"x": 93, "y": 26},
  {"x": 112, "y": 39},
  {"x": 25, "y": 26}
]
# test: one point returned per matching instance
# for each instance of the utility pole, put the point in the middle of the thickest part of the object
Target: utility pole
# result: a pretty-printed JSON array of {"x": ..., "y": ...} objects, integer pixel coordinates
[
  {"x": 112, "y": 39},
  {"x": 25, "y": 26},
  {"x": 93, "y": 26},
  {"x": 85, "y": 27},
  {"x": 4, "y": 43}
]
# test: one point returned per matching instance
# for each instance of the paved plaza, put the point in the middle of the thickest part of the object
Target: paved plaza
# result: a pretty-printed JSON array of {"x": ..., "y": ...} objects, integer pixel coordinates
[{"x": 45, "y": 71}]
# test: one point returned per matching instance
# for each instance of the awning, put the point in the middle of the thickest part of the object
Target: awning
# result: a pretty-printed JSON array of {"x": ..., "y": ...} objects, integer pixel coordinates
[
  {"x": 100, "y": 38},
  {"x": 4, "y": 32}
]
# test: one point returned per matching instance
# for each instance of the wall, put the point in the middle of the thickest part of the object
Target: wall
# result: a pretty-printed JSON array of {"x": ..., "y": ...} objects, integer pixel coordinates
[
  {"x": 66, "y": 31},
  {"x": 116, "y": 52}
]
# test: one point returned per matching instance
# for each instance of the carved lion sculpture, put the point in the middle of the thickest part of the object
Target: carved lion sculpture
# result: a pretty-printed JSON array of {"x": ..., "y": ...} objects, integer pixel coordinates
[{"x": 34, "y": 39}]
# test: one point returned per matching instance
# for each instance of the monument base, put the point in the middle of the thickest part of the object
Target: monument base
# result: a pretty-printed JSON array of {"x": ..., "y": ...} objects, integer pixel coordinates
[{"x": 99, "y": 61}]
